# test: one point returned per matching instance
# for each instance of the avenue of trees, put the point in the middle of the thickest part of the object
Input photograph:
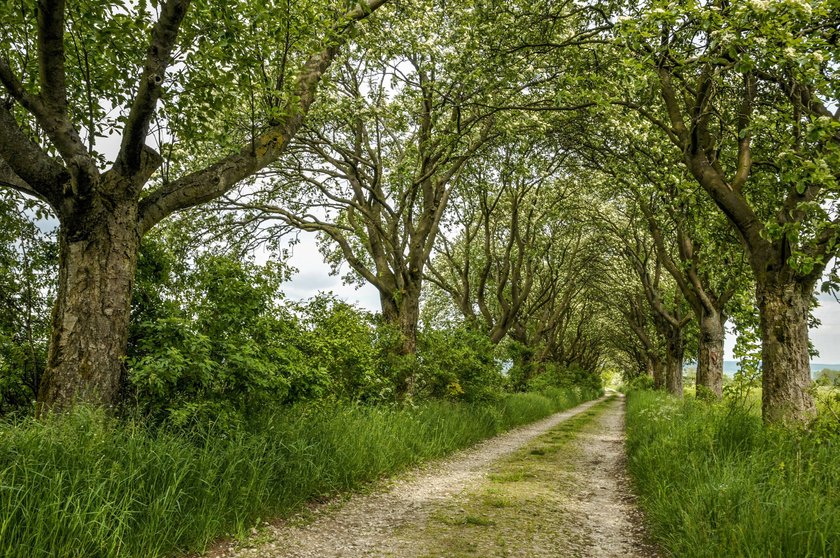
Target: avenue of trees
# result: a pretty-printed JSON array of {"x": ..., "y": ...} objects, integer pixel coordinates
[{"x": 539, "y": 192}]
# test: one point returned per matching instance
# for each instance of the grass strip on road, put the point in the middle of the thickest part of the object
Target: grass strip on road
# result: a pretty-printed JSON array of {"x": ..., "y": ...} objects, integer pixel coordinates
[{"x": 522, "y": 508}]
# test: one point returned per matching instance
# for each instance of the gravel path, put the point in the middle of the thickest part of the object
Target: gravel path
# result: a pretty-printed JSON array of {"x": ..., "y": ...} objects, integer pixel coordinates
[
  {"x": 602, "y": 494},
  {"x": 376, "y": 524}
]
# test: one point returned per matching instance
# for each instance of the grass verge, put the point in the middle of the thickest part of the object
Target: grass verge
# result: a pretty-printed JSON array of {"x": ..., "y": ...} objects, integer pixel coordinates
[
  {"x": 715, "y": 482},
  {"x": 83, "y": 485}
]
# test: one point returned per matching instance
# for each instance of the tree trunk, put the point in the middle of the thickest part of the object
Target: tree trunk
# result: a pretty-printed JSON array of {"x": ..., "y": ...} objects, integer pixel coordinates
[
  {"x": 91, "y": 313},
  {"x": 409, "y": 318},
  {"x": 658, "y": 371},
  {"x": 785, "y": 367},
  {"x": 525, "y": 364},
  {"x": 402, "y": 311},
  {"x": 674, "y": 365},
  {"x": 403, "y": 314},
  {"x": 710, "y": 355}
]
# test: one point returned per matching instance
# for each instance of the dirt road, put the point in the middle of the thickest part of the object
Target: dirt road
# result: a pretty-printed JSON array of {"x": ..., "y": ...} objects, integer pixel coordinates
[{"x": 553, "y": 488}]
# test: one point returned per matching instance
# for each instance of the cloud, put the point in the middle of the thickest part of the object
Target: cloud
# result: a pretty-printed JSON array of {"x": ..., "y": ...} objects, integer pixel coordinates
[{"x": 313, "y": 276}]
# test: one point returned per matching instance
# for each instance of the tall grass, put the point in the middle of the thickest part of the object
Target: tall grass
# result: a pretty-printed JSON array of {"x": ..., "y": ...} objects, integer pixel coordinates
[
  {"x": 86, "y": 485},
  {"x": 715, "y": 482}
]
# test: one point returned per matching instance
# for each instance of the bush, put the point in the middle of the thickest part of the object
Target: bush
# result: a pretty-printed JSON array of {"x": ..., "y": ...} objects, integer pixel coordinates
[
  {"x": 211, "y": 343},
  {"x": 639, "y": 383},
  {"x": 338, "y": 340},
  {"x": 458, "y": 364},
  {"x": 28, "y": 258},
  {"x": 218, "y": 344},
  {"x": 219, "y": 352},
  {"x": 554, "y": 375}
]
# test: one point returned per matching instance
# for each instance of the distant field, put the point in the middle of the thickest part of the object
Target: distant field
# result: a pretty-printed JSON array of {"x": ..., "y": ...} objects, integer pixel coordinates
[{"x": 731, "y": 366}]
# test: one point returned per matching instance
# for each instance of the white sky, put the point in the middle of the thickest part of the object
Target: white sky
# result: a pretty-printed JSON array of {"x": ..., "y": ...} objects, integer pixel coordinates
[
  {"x": 314, "y": 276},
  {"x": 826, "y": 337}
]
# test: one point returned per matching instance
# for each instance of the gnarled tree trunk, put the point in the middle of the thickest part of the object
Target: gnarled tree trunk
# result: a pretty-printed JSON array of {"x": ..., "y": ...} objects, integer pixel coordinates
[
  {"x": 97, "y": 263},
  {"x": 785, "y": 366},
  {"x": 656, "y": 368},
  {"x": 409, "y": 318},
  {"x": 710, "y": 355},
  {"x": 402, "y": 311},
  {"x": 403, "y": 314},
  {"x": 783, "y": 290},
  {"x": 674, "y": 365}
]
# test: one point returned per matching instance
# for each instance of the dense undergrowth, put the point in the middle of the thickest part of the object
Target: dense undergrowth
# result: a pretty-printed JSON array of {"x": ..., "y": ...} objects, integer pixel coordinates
[
  {"x": 715, "y": 482},
  {"x": 87, "y": 485}
]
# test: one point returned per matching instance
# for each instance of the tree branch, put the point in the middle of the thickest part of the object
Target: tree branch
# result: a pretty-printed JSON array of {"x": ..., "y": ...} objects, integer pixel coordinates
[
  {"x": 149, "y": 90},
  {"x": 216, "y": 179},
  {"x": 649, "y": 116},
  {"x": 52, "y": 76},
  {"x": 10, "y": 179},
  {"x": 673, "y": 108},
  {"x": 28, "y": 162},
  {"x": 744, "y": 137}
]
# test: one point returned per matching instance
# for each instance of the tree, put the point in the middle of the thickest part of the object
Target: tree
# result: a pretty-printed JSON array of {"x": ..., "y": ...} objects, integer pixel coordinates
[
  {"x": 496, "y": 240},
  {"x": 374, "y": 170},
  {"x": 744, "y": 94},
  {"x": 208, "y": 63},
  {"x": 668, "y": 314},
  {"x": 639, "y": 340},
  {"x": 563, "y": 325},
  {"x": 663, "y": 297},
  {"x": 686, "y": 232}
]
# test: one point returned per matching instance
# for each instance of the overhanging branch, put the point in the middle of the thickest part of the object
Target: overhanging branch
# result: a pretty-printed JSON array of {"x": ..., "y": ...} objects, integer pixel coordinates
[
  {"x": 28, "y": 163},
  {"x": 149, "y": 90},
  {"x": 216, "y": 179}
]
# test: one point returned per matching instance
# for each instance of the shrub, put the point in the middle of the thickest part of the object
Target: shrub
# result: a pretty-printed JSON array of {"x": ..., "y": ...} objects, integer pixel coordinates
[
  {"x": 642, "y": 382},
  {"x": 218, "y": 352},
  {"x": 555, "y": 375},
  {"x": 459, "y": 364},
  {"x": 27, "y": 283},
  {"x": 341, "y": 340}
]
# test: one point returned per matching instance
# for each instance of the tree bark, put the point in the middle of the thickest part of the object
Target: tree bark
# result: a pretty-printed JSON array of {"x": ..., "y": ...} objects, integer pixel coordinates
[
  {"x": 710, "y": 355},
  {"x": 658, "y": 372},
  {"x": 674, "y": 365},
  {"x": 409, "y": 318},
  {"x": 785, "y": 367},
  {"x": 401, "y": 310},
  {"x": 97, "y": 263}
]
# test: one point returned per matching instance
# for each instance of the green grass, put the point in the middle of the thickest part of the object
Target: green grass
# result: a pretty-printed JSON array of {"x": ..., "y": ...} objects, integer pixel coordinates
[
  {"x": 88, "y": 486},
  {"x": 715, "y": 482}
]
